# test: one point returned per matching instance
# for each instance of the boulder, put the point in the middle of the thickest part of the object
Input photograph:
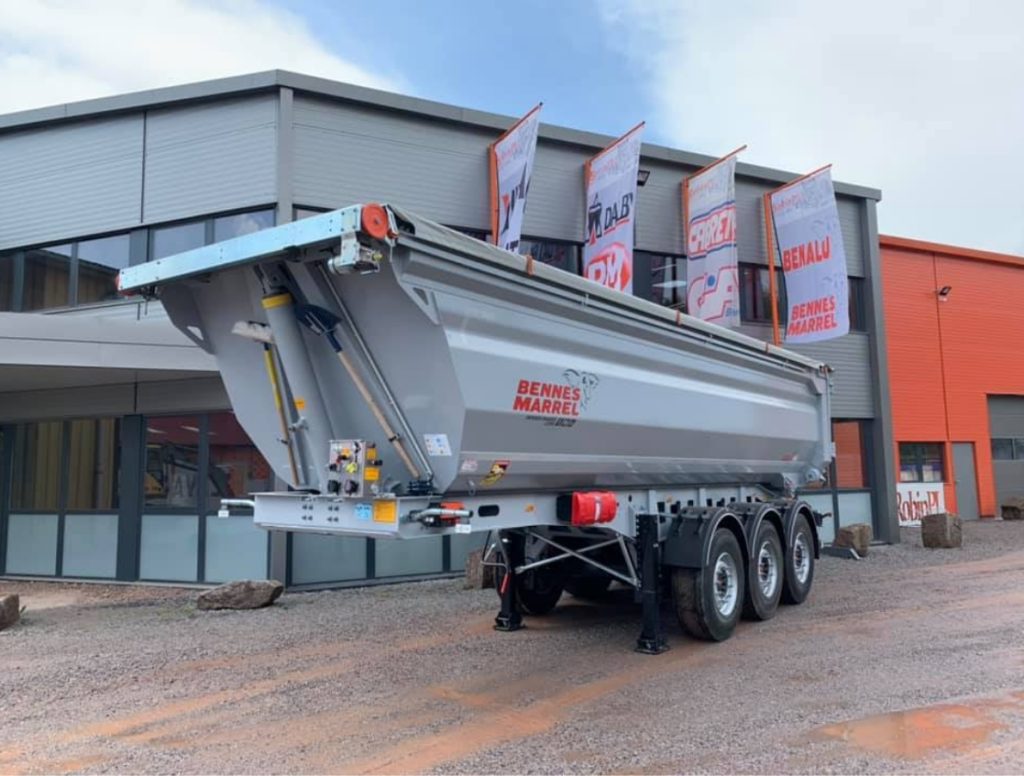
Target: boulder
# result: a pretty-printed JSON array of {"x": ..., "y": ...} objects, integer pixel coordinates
[
  {"x": 856, "y": 536},
  {"x": 478, "y": 575},
  {"x": 10, "y": 610},
  {"x": 941, "y": 530},
  {"x": 244, "y": 594},
  {"x": 1013, "y": 509}
]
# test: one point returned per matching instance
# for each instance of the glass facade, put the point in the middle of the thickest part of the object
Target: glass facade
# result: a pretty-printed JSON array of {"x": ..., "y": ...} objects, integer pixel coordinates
[
  {"x": 47, "y": 278},
  {"x": 99, "y": 261}
]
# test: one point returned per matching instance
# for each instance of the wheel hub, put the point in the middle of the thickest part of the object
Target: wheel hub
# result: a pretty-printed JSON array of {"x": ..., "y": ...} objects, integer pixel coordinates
[
  {"x": 801, "y": 558},
  {"x": 726, "y": 584},
  {"x": 767, "y": 570}
]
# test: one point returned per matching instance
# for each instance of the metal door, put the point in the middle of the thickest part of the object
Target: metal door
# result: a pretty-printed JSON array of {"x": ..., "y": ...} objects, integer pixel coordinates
[{"x": 965, "y": 480}]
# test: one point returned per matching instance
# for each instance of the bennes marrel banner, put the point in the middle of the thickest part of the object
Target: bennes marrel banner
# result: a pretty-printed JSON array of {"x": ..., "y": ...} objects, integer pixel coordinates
[
  {"x": 611, "y": 209},
  {"x": 712, "y": 267},
  {"x": 813, "y": 260},
  {"x": 511, "y": 169}
]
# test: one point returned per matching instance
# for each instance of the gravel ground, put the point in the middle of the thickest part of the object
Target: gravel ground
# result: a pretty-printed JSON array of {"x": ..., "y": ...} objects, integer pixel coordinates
[{"x": 908, "y": 661}]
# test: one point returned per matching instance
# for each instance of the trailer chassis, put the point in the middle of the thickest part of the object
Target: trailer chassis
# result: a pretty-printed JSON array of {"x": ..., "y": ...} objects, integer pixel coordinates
[{"x": 660, "y": 545}]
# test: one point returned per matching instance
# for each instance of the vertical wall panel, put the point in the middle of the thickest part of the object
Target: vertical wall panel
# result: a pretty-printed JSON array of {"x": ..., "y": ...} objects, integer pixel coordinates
[
  {"x": 210, "y": 157},
  {"x": 346, "y": 154},
  {"x": 70, "y": 180}
]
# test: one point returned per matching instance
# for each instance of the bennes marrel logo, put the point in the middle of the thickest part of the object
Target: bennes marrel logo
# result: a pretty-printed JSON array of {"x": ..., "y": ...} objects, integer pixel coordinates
[{"x": 558, "y": 404}]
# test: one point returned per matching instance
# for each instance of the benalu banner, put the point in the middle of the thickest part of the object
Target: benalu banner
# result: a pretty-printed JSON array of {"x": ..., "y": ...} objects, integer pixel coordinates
[
  {"x": 712, "y": 270},
  {"x": 813, "y": 260},
  {"x": 513, "y": 155},
  {"x": 611, "y": 210}
]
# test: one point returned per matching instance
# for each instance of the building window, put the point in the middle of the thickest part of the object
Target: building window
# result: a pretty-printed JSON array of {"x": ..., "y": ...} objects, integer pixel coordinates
[
  {"x": 47, "y": 278},
  {"x": 93, "y": 464},
  {"x": 563, "y": 255},
  {"x": 1008, "y": 449},
  {"x": 298, "y": 213},
  {"x": 172, "y": 462},
  {"x": 37, "y": 463},
  {"x": 660, "y": 278},
  {"x": 477, "y": 234},
  {"x": 755, "y": 294},
  {"x": 99, "y": 261},
  {"x": 922, "y": 462},
  {"x": 7, "y": 282},
  {"x": 236, "y": 467},
  {"x": 756, "y": 300},
  {"x": 169, "y": 240},
  {"x": 236, "y": 225},
  {"x": 858, "y": 315}
]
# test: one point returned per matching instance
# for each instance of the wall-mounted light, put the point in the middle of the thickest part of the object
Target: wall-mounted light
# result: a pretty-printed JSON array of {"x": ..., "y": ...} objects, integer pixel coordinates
[
  {"x": 944, "y": 293},
  {"x": 642, "y": 176}
]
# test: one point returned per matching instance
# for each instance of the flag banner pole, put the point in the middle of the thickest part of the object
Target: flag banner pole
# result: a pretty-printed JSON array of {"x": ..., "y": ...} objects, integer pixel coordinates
[
  {"x": 802, "y": 218},
  {"x": 610, "y": 184},
  {"x": 769, "y": 239},
  {"x": 709, "y": 233},
  {"x": 510, "y": 167},
  {"x": 718, "y": 161}
]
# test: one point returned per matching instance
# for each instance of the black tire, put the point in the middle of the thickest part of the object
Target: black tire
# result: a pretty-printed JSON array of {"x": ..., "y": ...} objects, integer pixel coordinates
[
  {"x": 589, "y": 587},
  {"x": 537, "y": 591},
  {"x": 799, "y": 574},
  {"x": 694, "y": 591},
  {"x": 765, "y": 575}
]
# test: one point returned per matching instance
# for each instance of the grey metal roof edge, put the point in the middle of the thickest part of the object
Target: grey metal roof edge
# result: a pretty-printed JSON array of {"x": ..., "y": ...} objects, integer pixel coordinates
[
  {"x": 148, "y": 98},
  {"x": 577, "y": 137},
  {"x": 270, "y": 79}
]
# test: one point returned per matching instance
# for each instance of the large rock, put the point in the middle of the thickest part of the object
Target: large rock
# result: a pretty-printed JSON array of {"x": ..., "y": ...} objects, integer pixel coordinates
[
  {"x": 244, "y": 594},
  {"x": 478, "y": 575},
  {"x": 10, "y": 610},
  {"x": 1013, "y": 509},
  {"x": 856, "y": 536},
  {"x": 941, "y": 530}
]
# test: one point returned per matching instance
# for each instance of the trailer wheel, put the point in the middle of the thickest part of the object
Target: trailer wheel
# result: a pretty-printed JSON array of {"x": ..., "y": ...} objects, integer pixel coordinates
[
  {"x": 799, "y": 563},
  {"x": 764, "y": 580},
  {"x": 589, "y": 587},
  {"x": 709, "y": 601},
  {"x": 538, "y": 590}
]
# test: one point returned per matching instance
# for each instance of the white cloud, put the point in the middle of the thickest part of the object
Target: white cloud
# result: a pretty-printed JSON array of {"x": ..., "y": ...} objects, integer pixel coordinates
[
  {"x": 920, "y": 99},
  {"x": 56, "y": 51}
]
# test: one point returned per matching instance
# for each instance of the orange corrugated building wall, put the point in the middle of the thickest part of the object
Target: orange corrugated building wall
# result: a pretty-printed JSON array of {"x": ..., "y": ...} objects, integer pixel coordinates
[{"x": 947, "y": 357}]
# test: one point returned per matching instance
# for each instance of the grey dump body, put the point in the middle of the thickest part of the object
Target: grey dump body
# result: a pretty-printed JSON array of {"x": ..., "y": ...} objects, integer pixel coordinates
[
  {"x": 500, "y": 375},
  {"x": 407, "y": 380}
]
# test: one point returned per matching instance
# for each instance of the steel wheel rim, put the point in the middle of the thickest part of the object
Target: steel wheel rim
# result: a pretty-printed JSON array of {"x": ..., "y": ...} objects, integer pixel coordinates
[
  {"x": 767, "y": 570},
  {"x": 726, "y": 582},
  {"x": 801, "y": 558}
]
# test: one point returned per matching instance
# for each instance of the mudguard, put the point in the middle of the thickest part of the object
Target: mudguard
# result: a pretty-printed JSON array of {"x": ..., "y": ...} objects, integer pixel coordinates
[{"x": 688, "y": 542}]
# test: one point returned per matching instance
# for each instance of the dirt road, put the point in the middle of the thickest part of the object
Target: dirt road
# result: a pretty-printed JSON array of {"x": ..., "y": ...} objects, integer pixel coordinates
[{"x": 909, "y": 661}]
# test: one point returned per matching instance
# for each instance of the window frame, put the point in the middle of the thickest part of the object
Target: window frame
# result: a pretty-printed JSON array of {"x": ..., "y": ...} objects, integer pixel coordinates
[{"x": 918, "y": 459}]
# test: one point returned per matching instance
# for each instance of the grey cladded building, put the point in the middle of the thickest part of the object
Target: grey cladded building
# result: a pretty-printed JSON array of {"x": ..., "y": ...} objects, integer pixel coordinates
[{"x": 116, "y": 435}]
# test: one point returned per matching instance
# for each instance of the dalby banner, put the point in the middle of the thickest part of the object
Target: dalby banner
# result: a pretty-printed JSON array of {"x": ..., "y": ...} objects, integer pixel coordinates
[
  {"x": 511, "y": 163},
  {"x": 709, "y": 212},
  {"x": 810, "y": 241},
  {"x": 610, "y": 179}
]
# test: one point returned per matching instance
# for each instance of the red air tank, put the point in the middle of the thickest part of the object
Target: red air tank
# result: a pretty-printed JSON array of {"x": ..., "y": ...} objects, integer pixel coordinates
[{"x": 593, "y": 507}]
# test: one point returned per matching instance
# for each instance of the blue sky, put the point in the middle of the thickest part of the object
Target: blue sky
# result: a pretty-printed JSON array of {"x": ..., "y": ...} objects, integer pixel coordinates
[
  {"x": 485, "y": 56},
  {"x": 918, "y": 98}
]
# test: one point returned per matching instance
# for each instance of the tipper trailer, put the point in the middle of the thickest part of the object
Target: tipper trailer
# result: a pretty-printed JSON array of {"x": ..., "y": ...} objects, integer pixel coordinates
[{"x": 407, "y": 380}]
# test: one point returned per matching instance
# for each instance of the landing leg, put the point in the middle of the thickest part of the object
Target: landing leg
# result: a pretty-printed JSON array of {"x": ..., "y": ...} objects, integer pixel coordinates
[
  {"x": 509, "y": 617},
  {"x": 651, "y": 641}
]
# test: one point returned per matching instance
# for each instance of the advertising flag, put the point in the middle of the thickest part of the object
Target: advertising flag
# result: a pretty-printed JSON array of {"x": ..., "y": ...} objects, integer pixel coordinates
[
  {"x": 712, "y": 269},
  {"x": 511, "y": 158},
  {"x": 813, "y": 260},
  {"x": 610, "y": 179}
]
